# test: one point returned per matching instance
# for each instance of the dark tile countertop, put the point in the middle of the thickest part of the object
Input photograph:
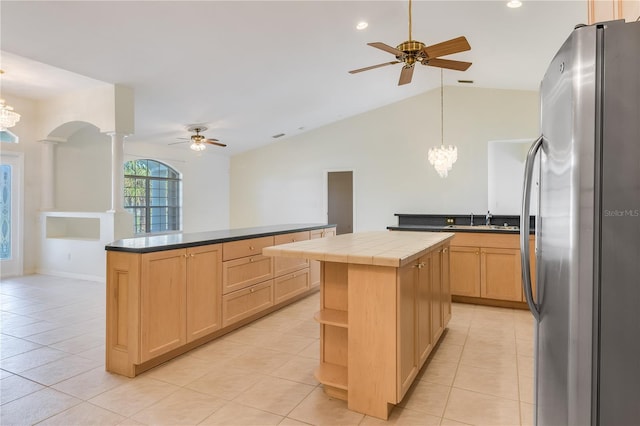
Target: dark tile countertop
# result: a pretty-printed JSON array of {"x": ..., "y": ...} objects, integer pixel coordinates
[
  {"x": 500, "y": 224},
  {"x": 154, "y": 243}
]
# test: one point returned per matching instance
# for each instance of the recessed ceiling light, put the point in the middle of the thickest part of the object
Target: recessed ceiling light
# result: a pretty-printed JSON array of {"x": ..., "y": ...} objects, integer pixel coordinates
[
  {"x": 362, "y": 25},
  {"x": 513, "y": 4}
]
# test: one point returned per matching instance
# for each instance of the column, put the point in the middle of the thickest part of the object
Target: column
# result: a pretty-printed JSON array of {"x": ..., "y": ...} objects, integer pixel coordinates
[
  {"x": 117, "y": 172},
  {"x": 47, "y": 168}
]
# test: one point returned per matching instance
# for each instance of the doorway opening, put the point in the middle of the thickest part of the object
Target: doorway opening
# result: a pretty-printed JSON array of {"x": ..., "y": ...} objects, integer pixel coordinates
[{"x": 340, "y": 200}]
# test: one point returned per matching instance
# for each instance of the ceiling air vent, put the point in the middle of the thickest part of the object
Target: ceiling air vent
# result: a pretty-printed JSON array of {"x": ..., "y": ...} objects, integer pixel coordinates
[
  {"x": 465, "y": 81},
  {"x": 279, "y": 135}
]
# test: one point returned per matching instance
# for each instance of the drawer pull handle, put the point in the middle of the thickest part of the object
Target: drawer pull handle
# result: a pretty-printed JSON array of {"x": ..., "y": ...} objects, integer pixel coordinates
[
  {"x": 252, "y": 290},
  {"x": 251, "y": 248}
]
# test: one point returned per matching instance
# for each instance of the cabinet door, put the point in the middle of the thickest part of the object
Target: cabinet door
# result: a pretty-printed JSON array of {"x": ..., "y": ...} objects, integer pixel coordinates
[
  {"x": 423, "y": 306},
  {"x": 436, "y": 294},
  {"x": 407, "y": 328},
  {"x": 204, "y": 290},
  {"x": 446, "y": 287},
  {"x": 464, "y": 271},
  {"x": 162, "y": 302},
  {"x": 500, "y": 274}
]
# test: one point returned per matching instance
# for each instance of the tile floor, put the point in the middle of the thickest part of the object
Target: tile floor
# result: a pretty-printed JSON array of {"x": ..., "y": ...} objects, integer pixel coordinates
[{"x": 52, "y": 369}]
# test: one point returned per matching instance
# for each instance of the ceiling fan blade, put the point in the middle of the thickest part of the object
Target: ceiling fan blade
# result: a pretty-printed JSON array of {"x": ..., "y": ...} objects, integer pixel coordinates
[
  {"x": 447, "y": 63},
  {"x": 214, "y": 142},
  {"x": 176, "y": 143},
  {"x": 405, "y": 75},
  {"x": 455, "y": 45},
  {"x": 373, "y": 67},
  {"x": 386, "y": 48}
]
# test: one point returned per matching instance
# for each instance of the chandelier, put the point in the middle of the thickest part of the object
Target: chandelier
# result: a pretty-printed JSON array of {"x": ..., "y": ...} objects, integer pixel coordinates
[
  {"x": 442, "y": 157},
  {"x": 8, "y": 117}
]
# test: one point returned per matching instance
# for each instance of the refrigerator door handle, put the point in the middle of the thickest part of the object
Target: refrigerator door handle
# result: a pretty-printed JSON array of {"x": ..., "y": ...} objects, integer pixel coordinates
[{"x": 525, "y": 227}]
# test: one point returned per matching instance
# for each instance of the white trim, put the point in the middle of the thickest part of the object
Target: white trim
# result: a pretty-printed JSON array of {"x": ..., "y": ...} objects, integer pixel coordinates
[
  {"x": 63, "y": 274},
  {"x": 325, "y": 191},
  {"x": 15, "y": 266}
]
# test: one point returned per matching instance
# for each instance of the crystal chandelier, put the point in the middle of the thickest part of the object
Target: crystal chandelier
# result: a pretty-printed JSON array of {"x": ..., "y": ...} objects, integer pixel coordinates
[
  {"x": 8, "y": 117},
  {"x": 442, "y": 157}
]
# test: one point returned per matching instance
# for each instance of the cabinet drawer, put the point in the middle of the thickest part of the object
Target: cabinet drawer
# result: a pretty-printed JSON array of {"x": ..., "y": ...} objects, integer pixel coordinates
[
  {"x": 246, "y": 302},
  {"x": 285, "y": 265},
  {"x": 242, "y": 248},
  {"x": 240, "y": 273},
  {"x": 291, "y": 237},
  {"x": 290, "y": 285}
]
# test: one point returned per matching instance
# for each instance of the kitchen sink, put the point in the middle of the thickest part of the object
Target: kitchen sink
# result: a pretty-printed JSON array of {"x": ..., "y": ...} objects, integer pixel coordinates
[{"x": 496, "y": 227}]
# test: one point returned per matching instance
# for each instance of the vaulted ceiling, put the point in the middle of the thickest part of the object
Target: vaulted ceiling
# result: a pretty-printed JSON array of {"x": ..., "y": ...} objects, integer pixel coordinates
[{"x": 249, "y": 70}]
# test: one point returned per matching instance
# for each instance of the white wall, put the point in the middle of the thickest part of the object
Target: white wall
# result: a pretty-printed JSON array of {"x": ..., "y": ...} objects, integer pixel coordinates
[
  {"x": 387, "y": 149},
  {"x": 83, "y": 172},
  {"x": 506, "y": 161}
]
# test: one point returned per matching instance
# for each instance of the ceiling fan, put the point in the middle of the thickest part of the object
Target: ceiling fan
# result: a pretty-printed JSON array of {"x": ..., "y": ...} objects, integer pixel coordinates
[
  {"x": 198, "y": 141},
  {"x": 412, "y": 51}
]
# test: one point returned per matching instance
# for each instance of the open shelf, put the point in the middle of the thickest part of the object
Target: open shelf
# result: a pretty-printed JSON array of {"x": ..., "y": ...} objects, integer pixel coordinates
[
  {"x": 332, "y": 375},
  {"x": 332, "y": 317}
]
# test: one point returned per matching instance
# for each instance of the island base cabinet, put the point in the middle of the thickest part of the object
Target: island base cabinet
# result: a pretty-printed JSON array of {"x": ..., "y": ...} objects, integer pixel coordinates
[{"x": 378, "y": 326}]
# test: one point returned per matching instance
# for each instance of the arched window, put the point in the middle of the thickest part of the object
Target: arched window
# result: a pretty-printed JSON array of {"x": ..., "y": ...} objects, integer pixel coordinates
[{"x": 152, "y": 195}]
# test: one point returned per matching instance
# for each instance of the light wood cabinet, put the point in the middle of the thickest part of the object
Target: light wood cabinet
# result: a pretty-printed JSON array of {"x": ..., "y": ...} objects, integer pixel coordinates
[
  {"x": 245, "y": 271},
  {"x": 487, "y": 267},
  {"x": 500, "y": 274},
  {"x": 285, "y": 265},
  {"x": 290, "y": 285},
  {"x": 367, "y": 342},
  {"x": 204, "y": 274},
  {"x": 465, "y": 271},
  {"x": 163, "y": 303},
  {"x": 179, "y": 298},
  {"x": 246, "y": 302},
  {"x": 314, "y": 265},
  {"x": 163, "y": 306}
]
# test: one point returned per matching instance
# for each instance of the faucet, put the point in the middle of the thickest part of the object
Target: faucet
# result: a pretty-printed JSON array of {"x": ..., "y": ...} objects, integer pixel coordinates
[
  {"x": 488, "y": 218},
  {"x": 471, "y": 219}
]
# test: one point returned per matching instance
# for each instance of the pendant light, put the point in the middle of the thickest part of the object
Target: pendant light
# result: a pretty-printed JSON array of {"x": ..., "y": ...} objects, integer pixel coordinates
[{"x": 442, "y": 157}]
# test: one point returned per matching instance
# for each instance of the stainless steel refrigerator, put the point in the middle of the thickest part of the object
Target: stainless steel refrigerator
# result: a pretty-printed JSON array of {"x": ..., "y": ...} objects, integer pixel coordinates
[{"x": 587, "y": 292}]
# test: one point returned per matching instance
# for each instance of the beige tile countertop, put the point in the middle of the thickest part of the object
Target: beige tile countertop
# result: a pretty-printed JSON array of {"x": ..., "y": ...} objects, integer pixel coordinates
[{"x": 382, "y": 248}]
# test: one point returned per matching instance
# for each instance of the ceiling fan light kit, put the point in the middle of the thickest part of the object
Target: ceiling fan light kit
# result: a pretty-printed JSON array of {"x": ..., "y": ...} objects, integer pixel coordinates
[
  {"x": 198, "y": 141},
  {"x": 412, "y": 51}
]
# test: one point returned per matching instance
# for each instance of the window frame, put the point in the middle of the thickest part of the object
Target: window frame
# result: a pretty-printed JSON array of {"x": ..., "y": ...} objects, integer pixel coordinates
[{"x": 171, "y": 176}]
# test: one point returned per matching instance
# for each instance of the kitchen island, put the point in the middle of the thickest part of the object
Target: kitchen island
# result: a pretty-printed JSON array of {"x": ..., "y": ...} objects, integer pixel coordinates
[
  {"x": 384, "y": 303},
  {"x": 168, "y": 294}
]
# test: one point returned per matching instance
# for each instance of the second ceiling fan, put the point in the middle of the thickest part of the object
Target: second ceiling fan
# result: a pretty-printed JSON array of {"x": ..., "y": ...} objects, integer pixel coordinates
[{"x": 412, "y": 51}]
